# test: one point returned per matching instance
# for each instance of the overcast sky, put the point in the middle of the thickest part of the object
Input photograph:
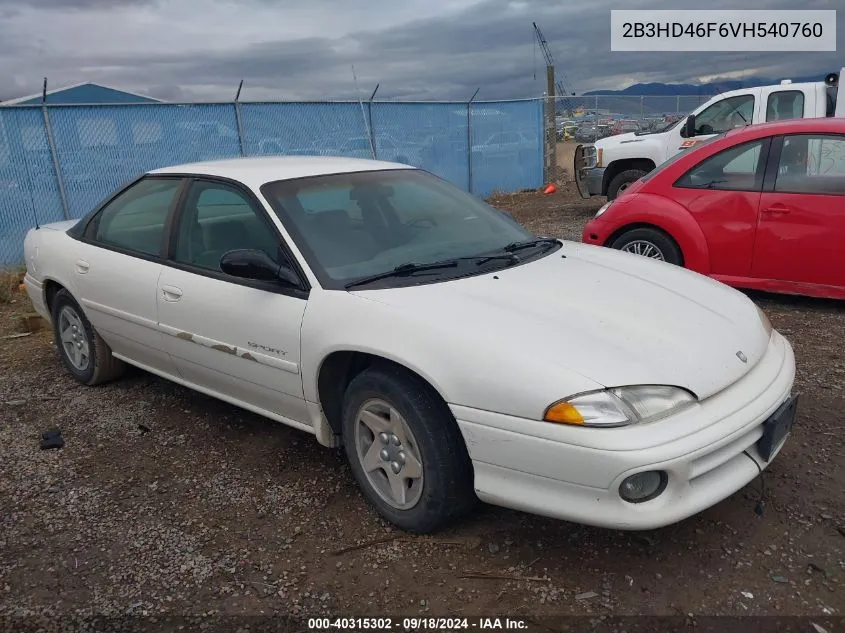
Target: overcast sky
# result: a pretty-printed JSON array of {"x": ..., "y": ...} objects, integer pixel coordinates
[{"x": 416, "y": 49}]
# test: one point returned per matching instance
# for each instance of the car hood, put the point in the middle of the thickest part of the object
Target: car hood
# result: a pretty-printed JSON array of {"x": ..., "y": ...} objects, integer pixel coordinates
[{"x": 615, "y": 318}]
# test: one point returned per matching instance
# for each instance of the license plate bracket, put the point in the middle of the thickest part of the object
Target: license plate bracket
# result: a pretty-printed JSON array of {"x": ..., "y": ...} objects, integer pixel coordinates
[{"x": 777, "y": 427}]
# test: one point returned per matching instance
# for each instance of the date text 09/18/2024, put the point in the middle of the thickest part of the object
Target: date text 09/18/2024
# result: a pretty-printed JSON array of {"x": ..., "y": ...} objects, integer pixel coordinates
[{"x": 416, "y": 624}]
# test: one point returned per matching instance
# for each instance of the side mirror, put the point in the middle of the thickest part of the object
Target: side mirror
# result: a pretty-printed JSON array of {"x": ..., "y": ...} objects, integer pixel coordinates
[
  {"x": 256, "y": 264},
  {"x": 689, "y": 127}
]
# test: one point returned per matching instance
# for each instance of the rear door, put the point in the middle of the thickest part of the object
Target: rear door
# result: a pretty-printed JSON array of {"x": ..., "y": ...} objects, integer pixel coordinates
[
  {"x": 117, "y": 266},
  {"x": 722, "y": 193},
  {"x": 801, "y": 230}
]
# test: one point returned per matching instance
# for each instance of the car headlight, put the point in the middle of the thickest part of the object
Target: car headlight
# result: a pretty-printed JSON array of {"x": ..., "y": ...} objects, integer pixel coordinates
[
  {"x": 767, "y": 325},
  {"x": 603, "y": 208},
  {"x": 620, "y": 406}
]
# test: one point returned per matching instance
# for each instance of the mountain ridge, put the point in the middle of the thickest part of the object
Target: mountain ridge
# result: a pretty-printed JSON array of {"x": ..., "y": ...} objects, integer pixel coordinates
[{"x": 658, "y": 89}]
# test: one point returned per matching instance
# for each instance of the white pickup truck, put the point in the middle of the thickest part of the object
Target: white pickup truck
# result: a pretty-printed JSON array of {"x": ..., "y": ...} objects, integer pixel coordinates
[{"x": 610, "y": 165}]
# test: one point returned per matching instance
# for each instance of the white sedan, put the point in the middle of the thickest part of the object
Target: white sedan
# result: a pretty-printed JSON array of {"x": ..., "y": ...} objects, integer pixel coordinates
[{"x": 453, "y": 354}]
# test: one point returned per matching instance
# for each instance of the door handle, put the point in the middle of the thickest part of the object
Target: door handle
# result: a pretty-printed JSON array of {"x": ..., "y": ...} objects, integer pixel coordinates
[
  {"x": 171, "y": 293},
  {"x": 82, "y": 266},
  {"x": 777, "y": 209}
]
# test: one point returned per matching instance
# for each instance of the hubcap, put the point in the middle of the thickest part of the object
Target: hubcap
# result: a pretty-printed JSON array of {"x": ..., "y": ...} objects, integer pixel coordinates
[
  {"x": 388, "y": 453},
  {"x": 644, "y": 248},
  {"x": 74, "y": 339}
]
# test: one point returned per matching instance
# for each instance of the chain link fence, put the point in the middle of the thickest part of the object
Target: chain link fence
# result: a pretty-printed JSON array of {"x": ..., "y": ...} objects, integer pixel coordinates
[
  {"x": 58, "y": 162},
  {"x": 588, "y": 118}
]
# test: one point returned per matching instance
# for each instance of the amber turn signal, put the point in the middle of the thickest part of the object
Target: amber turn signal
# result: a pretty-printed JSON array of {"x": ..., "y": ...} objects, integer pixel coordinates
[{"x": 564, "y": 413}]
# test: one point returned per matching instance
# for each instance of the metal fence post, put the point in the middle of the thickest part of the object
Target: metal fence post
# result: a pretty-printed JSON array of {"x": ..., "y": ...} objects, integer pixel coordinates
[
  {"x": 238, "y": 120},
  {"x": 372, "y": 129},
  {"x": 56, "y": 166},
  {"x": 469, "y": 141}
]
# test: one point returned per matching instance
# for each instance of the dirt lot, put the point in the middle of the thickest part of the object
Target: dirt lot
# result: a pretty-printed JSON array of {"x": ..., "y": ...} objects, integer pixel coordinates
[{"x": 166, "y": 501}]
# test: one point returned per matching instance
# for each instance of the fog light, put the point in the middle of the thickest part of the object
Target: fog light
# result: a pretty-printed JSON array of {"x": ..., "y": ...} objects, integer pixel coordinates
[{"x": 643, "y": 486}]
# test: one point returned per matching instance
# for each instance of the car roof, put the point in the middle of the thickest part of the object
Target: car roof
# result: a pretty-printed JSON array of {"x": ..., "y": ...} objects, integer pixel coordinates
[
  {"x": 255, "y": 171},
  {"x": 790, "y": 126}
]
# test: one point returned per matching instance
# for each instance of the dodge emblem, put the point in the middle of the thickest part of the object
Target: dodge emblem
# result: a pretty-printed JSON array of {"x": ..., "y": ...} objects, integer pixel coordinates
[{"x": 742, "y": 356}]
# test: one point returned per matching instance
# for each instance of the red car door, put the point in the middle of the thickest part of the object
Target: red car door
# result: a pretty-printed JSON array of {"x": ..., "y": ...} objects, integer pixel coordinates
[
  {"x": 801, "y": 226},
  {"x": 722, "y": 193}
]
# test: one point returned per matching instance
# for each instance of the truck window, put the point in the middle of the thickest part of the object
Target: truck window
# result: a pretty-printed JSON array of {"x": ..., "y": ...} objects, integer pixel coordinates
[
  {"x": 785, "y": 104},
  {"x": 725, "y": 115}
]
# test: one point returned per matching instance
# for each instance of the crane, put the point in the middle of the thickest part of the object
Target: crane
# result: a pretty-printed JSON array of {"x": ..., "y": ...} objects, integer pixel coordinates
[{"x": 562, "y": 89}]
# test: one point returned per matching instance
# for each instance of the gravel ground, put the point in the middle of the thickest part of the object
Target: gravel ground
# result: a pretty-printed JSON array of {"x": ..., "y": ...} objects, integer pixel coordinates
[{"x": 164, "y": 501}]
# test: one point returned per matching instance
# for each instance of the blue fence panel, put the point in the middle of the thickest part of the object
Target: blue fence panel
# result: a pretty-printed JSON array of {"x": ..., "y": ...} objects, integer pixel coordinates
[
  {"x": 507, "y": 146},
  {"x": 304, "y": 129},
  {"x": 102, "y": 147},
  {"x": 29, "y": 192},
  {"x": 432, "y": 136}
]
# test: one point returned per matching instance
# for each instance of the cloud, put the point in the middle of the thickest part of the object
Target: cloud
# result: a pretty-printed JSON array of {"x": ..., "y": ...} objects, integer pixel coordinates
[{"x": 415, "y": 49}]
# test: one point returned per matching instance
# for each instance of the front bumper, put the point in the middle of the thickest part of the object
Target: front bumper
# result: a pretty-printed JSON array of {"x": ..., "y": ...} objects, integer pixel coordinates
[
  {"x": 596, "y": 232},
  {"x": 593, "y": 177},
  {"x": 573, "y": 473}
]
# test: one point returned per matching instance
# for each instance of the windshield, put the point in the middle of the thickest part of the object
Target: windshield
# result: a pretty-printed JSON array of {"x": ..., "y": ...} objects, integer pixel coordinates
[{"x": 356, "y": 225}]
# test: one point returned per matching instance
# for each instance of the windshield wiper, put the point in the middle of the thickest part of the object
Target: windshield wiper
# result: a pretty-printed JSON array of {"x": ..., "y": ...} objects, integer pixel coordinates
[
  {"x": 402, "y": 270},
  {"x": 412, "y": 267},
  {"x": 516, "y": 246}
]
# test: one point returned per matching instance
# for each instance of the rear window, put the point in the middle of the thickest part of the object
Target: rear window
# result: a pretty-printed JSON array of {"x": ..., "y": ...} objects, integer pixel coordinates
[{"x": 678, "y": 156}]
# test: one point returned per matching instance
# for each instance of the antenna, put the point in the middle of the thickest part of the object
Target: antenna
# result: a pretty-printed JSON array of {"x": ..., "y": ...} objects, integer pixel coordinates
[
  {"x": 44, "y": 91},
  {"x": 238, "y": 93},
  {"x": 363, "y": 112}
]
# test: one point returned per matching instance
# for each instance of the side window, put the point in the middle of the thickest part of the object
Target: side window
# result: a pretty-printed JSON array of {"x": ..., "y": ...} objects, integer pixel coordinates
[
  {"x": 739, "y": 168},
  {"x": 135, "y": 220},
  {"x": 216, "y": 219},
  {"x": 813, "y": 164},
  {"x": 725, "y": 115},
  {"x": 785, "y": 104}
]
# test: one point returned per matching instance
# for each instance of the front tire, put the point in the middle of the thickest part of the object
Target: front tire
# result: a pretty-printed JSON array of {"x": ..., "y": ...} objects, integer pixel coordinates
[
  {"x": 83, "y": 352},
  {"x": 651, "y": 243},
  {"x": 622, "y": 181},
  {"x": 406, "y": 451}
]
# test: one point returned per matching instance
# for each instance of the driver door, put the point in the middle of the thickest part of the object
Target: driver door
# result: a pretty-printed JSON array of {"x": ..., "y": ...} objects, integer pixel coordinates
[
  {"x": 722, "y": 193},
  {"x": 236, "y": 337},
  {"x": 724, "y": 115}
]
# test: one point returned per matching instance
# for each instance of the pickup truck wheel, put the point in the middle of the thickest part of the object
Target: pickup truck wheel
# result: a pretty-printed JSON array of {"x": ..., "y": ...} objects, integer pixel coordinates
[
  {"x": 84, "y": 354},
  {"x": 622, "y": 181},
  {"x": 406, "y": 450},
  {"x": 649, "y": 243}
]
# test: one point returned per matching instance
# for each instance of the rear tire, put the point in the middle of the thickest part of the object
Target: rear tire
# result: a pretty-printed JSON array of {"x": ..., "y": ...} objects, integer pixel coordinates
[
  {"x": 83, "y": 352},
  {"x": 651, "y": 243},
  {"x": 406, "y": 450},
  {"x": 622, "y": 181}
]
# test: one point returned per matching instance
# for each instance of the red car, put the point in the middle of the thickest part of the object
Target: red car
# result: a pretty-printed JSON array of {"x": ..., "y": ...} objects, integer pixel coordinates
[{"x": 760, "y": 207}]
